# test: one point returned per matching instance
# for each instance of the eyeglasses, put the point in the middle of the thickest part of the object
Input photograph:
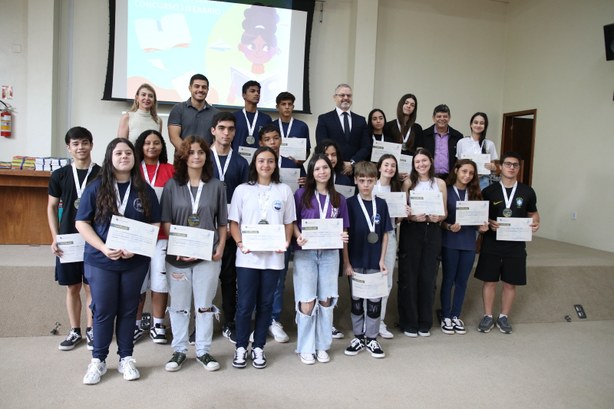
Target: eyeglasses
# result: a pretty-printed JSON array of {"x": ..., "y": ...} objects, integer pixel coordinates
[
  {"x": 344, "y": 95},
  {"x": 514, "y": 165}
]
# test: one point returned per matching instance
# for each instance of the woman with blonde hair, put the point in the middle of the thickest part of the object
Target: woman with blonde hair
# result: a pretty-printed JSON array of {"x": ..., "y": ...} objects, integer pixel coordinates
[{"x": 143, "y": 114}]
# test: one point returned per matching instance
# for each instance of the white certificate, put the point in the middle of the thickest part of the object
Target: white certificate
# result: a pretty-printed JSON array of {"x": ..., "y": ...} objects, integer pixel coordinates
[
  {"x": 369, "y": 285},
  {"x": 322, "y": 234},
  {"x": 133, "y": 236},
  {"x": 514, "y": 228},
  {"x": 396, "y": 202},
  {"x": 405, "y": 163},
  {"x": 190, "y": 242},
  {"x": 346, "y": 191},
  {"x": 290, "y": 177},
  {"x": 480, "y": 160},
  {"x": 426, "y": 202},
  {"x": 263, "y": 237},
  {"x": 381, "y": 148},
  {"x": 295, "y": 148},
  {"x": 472, "y": 212},
  {"x": 247, "y": 153},
  {"x": 72, "y": 246}
]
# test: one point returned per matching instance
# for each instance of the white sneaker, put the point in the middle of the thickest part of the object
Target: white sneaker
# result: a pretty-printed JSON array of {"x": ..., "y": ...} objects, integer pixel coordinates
[
  {"x": 278, "y": 333},
  {"x": 258, "y": 358},
  {"x": 337, "y": 334},
  {"x": 127, "y": 367},
  {"x": 447, "y": 327},
  {"x": 322, "y": 356},
  {"x": 307, "y": 359},
  {"x": 384, "y": 333},
  {"x": 95, "y": 370}
]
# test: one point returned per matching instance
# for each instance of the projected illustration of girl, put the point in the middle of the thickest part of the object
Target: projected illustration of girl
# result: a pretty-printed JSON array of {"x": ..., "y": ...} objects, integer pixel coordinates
[{"x": 258, "y": 42}]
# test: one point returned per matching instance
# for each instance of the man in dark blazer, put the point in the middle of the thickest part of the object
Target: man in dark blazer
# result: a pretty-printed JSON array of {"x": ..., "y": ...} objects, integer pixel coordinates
[
  {"x": 440, "y": 139},
  {"x": 355, "y": 143}
]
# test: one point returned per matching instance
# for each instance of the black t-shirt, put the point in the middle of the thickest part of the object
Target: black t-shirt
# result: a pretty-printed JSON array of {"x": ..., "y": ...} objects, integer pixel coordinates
[
  {"x": 523, "y": 203},
  {"x": 62, "y": 186}
]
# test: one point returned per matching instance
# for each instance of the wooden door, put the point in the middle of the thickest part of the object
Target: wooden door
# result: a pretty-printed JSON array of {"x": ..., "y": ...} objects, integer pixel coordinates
[{"x": 519, "y": 136}]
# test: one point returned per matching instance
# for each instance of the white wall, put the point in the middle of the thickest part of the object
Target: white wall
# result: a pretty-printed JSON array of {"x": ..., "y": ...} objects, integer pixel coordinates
[{"x": 556, "y": 64}]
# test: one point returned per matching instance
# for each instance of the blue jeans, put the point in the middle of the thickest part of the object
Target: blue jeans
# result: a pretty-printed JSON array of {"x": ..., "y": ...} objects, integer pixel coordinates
[
  {"x": 255, "y": 288},
  {"x": 315, "y": 280},
  {"x": 115, "y": 298},
  {"x": 456, "y": 266},
  {"x": 199, "y": 281},
  {"x": 278, "y": 297},
  {"x": 484, "y": 181}
]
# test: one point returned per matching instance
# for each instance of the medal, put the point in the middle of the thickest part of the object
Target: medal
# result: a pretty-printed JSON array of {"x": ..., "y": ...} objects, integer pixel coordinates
[
  {"x": 507, "y": 212},
  {"x": 77, "y": 201},
  {"x": 405, "y": 137},
  {"x": 221, "y": 172},
  {"x": 264, "y": 202},
  {"x": 250, "y": 127},
  {"x": 80, "y": 187},
  {"x": 122, "y": 203},
  {"x": 193, "y": 220},
  {"x": 372, "y": 237},
  {"x": 250, "y": 140},
  {"x": 404, "y": 146},
  {"x": 263, "y": 221}
]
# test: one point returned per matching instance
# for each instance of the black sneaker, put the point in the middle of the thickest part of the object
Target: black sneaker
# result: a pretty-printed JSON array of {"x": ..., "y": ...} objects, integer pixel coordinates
[
  {"x": 192, "y": 339},
  {"x": 504, "y": 325},
  {"x": 376, "y": 350},
  {"x": 138, "y": 334},
  {"x": 356, "y": 345},
  {"x": 209, "y": 362},
  {"x": 174, "y": 364},
  {"x": 240, "y": 358},
  {"x": 89, "y": 336},
  {"x": 157, "y": 333},
  {"x": 229, "y": 334},
  {"x": 72, "y": 339},
  {"x": 486, "y": 324}
]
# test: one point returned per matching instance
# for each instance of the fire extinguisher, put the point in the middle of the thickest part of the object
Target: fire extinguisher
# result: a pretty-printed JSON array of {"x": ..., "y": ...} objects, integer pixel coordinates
[{"x": 5, "y": 121}]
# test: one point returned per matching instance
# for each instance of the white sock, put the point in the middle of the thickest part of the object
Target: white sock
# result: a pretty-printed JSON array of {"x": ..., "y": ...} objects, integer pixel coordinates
[
  {"x": 158, "y": 321},
  {"x": 502, "y": 315},
  {"x": 138, "y": 323}
]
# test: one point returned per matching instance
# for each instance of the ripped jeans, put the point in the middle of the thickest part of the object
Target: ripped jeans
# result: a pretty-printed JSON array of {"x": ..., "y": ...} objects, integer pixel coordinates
[
  {"x": 199, "y": 280},
  {"x": 315, "y": 280}
]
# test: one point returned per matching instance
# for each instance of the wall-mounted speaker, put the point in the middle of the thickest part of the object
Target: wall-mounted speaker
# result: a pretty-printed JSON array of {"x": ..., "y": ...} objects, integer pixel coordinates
[{"x": 608, "y": 35}]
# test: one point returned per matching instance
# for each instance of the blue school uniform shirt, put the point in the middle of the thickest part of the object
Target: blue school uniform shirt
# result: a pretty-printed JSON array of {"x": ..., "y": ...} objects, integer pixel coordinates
[
  {"x": 362, "y": 253},
  {"x": 465, "y": 238},
  {"x": 241, "y": 132},
  {"x": 236, "y": 174},
  {"x": 134, "y": 210}
]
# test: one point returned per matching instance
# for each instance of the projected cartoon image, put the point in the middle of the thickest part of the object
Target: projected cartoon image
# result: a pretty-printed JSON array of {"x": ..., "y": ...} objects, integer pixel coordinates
[{"x": 231, "y": 43}]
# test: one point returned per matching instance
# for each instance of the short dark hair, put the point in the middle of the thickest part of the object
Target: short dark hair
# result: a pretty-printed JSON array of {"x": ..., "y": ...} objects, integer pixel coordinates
[
  {"x": 250, "y": 83},
  {"x": 510, "y": 154},
  {"x": 285, "y": 96},
  {"x": 78, "y": 132},
  {"x": 223, "y": 116},
  {"x": 198, "y": 77},
  {"x": 268, "y": 128},
  {"x": 443, "y": 108}
]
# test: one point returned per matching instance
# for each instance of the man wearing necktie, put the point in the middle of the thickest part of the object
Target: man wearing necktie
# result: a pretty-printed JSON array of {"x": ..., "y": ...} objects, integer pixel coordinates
[{"x": 346, "y": 128}]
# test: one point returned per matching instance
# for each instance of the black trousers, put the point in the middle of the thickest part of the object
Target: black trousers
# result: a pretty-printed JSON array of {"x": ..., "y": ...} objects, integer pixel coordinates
[{"x": 228, "y": 283}]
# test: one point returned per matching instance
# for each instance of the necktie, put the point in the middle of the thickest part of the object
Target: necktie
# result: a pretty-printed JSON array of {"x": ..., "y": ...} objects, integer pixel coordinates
[{"x": 346, "y": 126}]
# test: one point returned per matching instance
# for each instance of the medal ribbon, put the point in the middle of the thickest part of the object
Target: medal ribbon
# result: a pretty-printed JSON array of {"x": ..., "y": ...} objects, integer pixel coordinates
[
  {"x": 198, "y": 193},
  {"x": 151, "y": 182},
  {"x": 80, "y": 187},
  {"x": 508, "y": 200},
  {"x": 458, "y": 194},
  {"x": 326, "y": 203},
  {"x": 281, "y": 128},
  {"x": 250, "y": 127},
  {"x": 121, "y": 204},
  {"x": 364, "y": 211},
  {"x": 406, "y": 137},
  {"x": 221, "y": 172},
  {"x": 264, "y": 198}
]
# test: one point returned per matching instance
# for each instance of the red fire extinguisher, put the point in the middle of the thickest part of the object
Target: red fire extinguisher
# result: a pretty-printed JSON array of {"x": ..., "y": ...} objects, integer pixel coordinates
[{"x": 5, "y": 121}]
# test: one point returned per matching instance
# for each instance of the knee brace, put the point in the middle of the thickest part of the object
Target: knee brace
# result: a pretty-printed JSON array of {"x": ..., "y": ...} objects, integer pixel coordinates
[
  {"x": 374, "y": 308},
  {"x": 357, "y": 308}
]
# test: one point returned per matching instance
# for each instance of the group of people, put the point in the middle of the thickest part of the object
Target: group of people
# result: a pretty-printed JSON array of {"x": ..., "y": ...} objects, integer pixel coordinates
[{"x": 212, "y": 186}]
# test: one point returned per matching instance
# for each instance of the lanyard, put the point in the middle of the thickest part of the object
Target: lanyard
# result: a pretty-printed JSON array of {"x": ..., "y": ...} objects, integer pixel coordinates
[
  {"x": 458, "y": 194},
  {"x": 370, "y": 223},
  {"x": 250, "y": 127},
  {"x": 81, "y": 187},
  {"x": 196, "y": 200},
  {"x": 375, "y": 139},
  {"x": 121, "y": 204},
  {"x": 151, "y": 182},
  {"x": 281, "y": 128},
  {"x": 508, "y": 200},
  {"x": 221, "y": 172},
  {"x": 326, "y": 203},
  {"x": 406, "y": 137}
]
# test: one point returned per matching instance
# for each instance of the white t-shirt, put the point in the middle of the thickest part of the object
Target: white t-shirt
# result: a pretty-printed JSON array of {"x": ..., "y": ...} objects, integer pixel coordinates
[
  {"x": 245, "y": 208},
  {"x": 471, "y": 146}
]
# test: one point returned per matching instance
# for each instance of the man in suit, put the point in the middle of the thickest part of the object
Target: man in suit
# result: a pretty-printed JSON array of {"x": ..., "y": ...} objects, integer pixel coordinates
[
  {"x": 440, "y": 139},
  {"x": 346, "y": 128}
]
